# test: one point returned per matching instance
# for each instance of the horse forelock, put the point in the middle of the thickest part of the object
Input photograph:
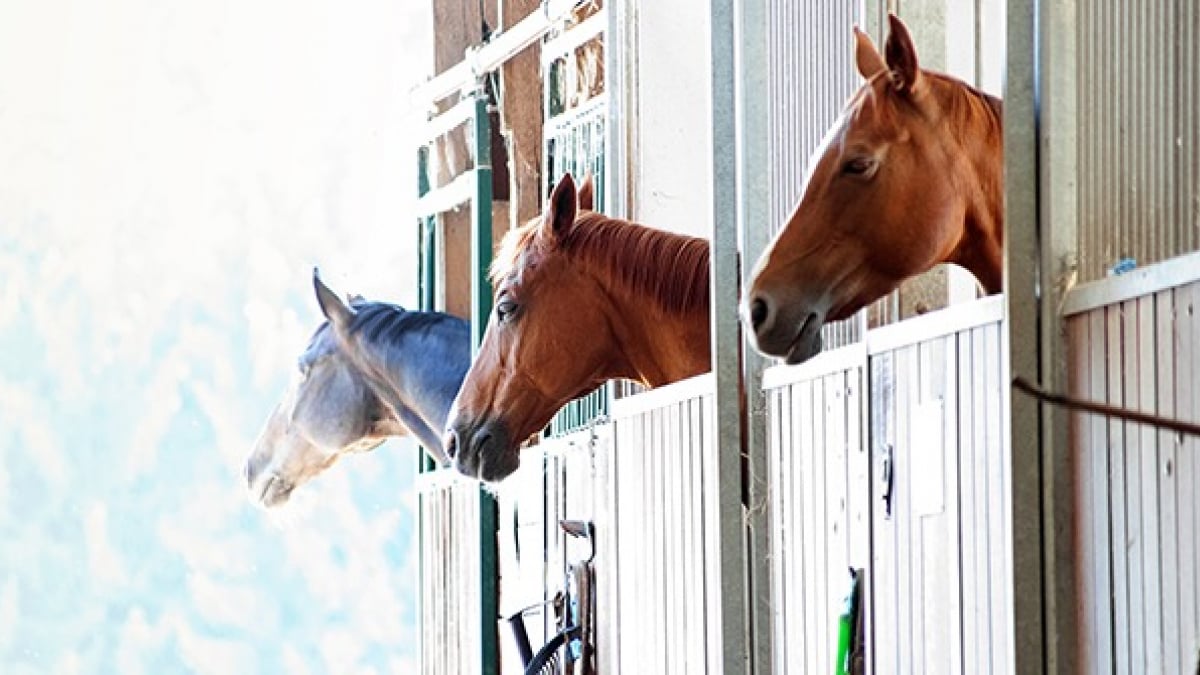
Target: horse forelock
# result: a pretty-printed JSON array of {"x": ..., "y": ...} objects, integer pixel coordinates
[
  {"x": 514, "y": 244},
  {"x": 670, "y": 269}
]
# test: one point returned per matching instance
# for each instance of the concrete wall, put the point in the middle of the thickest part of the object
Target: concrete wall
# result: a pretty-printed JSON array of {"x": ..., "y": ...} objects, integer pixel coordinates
[{"x": 669, "y": 116}]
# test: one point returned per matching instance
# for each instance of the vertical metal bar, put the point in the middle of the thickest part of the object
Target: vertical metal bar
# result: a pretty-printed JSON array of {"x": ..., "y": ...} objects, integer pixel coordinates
[
  {"x": 730, "y": 612},
  {"x": 754, "y": 203},
  {"x": 425, "y": 276},
  {"x": 1057, "y": 231},
  {"x": 426, "y": 266},
  {"x": 481, "y": 308},
  {"x": 427, "y": 263},
  {"x": 617, "y": 38},
  {"x": 481, "y": 221},
  {"x": 1024, "y": 583}
]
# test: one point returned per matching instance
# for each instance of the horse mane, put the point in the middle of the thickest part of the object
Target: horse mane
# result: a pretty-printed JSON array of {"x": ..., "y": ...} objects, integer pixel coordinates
[
  {"x": 384, "y": 322},
  {"x": 670, "y": 269},
  {"x": 966, "y": 104}
]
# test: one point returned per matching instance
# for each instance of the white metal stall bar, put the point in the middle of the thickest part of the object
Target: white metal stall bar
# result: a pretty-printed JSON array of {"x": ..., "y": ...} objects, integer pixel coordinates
[
  {"x": 503, "y": 46},
  {"x": 665, "y": 581}
]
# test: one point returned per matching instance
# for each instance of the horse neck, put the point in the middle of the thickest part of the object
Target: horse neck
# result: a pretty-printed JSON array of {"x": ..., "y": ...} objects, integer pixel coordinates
[
  {"x": 982, "y": 248},
  {"x": 416, "y": 385},
  {"x": 658, "y": 347}
]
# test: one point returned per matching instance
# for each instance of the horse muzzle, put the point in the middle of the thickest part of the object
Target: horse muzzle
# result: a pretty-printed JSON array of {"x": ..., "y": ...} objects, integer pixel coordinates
[
  {"x": 481, "y": 449},
  {"x": 266, "y": 486},
  {"x": 788, "y": 332}
]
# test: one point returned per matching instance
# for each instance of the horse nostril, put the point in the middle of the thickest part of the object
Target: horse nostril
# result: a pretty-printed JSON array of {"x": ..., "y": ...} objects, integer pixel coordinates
[
  {"x": 451, "y": 443},
  {"x": 758, "y": 312},
  {"x": 482, "y": 441}
]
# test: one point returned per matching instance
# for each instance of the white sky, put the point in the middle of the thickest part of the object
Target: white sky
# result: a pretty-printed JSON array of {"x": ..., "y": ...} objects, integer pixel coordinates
[
  {"x": 170, "y": 173},
  {"x": 146, "y": 128}
]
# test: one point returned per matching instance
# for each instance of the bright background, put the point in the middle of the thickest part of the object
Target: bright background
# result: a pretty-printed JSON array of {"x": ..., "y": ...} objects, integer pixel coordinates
[{"x": 169, "y": 174}]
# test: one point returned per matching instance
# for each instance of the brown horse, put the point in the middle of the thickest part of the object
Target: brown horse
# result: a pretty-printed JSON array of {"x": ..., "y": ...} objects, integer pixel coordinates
[
  {"x": 578, "y": 301},
  {"x": 909, "y": 177}
]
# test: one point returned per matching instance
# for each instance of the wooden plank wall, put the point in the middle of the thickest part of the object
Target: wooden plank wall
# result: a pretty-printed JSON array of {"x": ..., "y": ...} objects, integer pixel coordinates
[
  {"x": 662, "y": 469},
  {"x": 450, "y": 639},
  {"x": 1138, "y": 505}
]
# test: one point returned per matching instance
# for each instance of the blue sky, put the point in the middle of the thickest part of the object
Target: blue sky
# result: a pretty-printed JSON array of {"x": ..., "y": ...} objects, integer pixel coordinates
[{"x": 171, "y": 173}]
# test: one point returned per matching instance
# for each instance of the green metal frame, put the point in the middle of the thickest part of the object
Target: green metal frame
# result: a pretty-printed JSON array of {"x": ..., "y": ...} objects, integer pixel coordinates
[
  {"x": 426, "y": 265},
  {"x": 481, "y": 308}
]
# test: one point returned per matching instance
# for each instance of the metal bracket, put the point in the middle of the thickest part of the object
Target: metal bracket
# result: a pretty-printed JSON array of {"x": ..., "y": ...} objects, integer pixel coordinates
[{"x": 887, "y": 479}]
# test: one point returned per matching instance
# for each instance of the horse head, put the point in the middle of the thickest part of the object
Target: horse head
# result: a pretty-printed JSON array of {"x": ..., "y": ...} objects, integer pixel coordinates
[{"x": 908, "y": 177}]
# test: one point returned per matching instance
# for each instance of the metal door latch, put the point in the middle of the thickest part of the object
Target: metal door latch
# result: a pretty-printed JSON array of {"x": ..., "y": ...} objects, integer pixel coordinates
[{"x": 887, "y": 479}]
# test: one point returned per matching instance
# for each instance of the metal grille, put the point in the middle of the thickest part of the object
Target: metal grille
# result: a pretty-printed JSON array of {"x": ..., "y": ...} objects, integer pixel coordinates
[
  {"x": 1139, "y": 132},
  {"x": 579, "y": 413},
  {"x": 575, "y": 143},
  {"x": 811, "y": 77}
]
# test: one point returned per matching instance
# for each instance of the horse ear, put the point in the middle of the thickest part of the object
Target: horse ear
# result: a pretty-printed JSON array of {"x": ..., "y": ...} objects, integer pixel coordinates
[
  {"x": 560, "y": 212},
  {"x": 901, "y": 56},
  {"x": 336, "y": 311},
  {"x": 866, "y": 56},
  {"x": 587, "y": 194}
]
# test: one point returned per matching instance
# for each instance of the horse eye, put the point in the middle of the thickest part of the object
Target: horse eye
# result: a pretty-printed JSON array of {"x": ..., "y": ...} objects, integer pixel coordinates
[
  {"x": 859, "y": 166},
  {"x": 505, "y": 309}
]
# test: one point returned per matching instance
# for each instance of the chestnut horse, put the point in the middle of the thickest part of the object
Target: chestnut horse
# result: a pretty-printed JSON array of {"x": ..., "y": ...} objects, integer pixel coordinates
[
  {"x": 909, "y": 177},
  {"x": 578, "y": 301}
]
